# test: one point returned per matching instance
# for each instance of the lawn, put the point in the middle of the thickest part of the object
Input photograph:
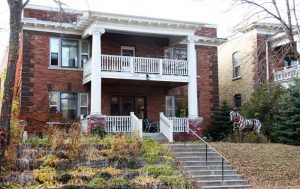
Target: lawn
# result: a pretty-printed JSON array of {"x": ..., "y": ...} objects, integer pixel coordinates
[{"x": 264, "y": 165}]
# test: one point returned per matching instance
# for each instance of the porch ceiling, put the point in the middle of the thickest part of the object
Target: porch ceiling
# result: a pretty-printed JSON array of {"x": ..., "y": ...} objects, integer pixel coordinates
[{"x": 134, "y": 83}]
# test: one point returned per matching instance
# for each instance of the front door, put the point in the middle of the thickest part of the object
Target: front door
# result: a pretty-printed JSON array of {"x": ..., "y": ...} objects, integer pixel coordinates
[{"x": 123, "y": 105}]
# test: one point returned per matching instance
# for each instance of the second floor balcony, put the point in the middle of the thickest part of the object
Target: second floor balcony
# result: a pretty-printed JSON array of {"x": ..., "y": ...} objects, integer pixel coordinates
[
  {"x": 286, "y": 74},
  {"x": 139, "y": 68}
]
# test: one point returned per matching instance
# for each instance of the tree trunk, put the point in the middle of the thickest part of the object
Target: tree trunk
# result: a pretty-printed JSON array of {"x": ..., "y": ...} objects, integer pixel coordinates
[{"x": 15, "y": 7}]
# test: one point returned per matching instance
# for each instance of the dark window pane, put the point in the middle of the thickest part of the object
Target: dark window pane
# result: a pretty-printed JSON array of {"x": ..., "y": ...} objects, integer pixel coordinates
[
  {"x": 181, "y": 107},
  {"x": 69, "y": 105},
  {"x": 237, "y": 100},
  {"x": 54, "y": 59},
  {"x": 114, "y": 106}
]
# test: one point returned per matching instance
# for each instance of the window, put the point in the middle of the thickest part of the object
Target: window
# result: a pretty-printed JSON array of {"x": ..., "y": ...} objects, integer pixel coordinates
[
  {"x": 84, "y": 52},
  {"x": 176, "y": 53},
  {"x": 127, "y": 51},
  {"x": 69, "y": 51},
  {"x": 68, "y": 104},
  {"x": 289, "y": 62},
  {"x": 83, "y": 105},
  {"x": 176, "y": 106},
  {"x": 236, "y": 64},
  {"x": 65, "y": 53},
  {"x": 54, "y": 51},
  {"x": 53, "y": 102},
  {"x": 237, "y": 100}
]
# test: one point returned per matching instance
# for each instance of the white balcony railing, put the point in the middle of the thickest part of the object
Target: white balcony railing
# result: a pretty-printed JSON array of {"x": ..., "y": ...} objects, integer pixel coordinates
[
  {"x": 138, "y": 65},
  {"x": 285, "y": 74}
]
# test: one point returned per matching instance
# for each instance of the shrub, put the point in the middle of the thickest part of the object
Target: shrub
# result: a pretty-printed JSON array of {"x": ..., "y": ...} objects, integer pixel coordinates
[
  {"x": 142, "y": 181},
  {"x": 222, "y": 126},
  {"x": 50, "y": 160},
  {"x": 157, "y": 170},
  {"x": 35, "y": 142},
  {"x": 153, "y": 152},
  {"x": 44, "y": 174},
  {"x": 264, "y": 105},
  {"x": 174, "y": 181},
  {"x": 287, "y": 121},
  {"x": 97, "y": 182},
  {"x": 83, "y": 172},
  {"x": 64, "y": 178}
]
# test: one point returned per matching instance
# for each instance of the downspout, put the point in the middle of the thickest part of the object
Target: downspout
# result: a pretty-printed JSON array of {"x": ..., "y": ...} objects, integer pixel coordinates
[{"x": 267, "y": 61}]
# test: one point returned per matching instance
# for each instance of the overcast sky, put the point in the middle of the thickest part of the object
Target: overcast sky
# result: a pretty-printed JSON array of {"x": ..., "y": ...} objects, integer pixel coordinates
[{"x": 208, "y": 11}]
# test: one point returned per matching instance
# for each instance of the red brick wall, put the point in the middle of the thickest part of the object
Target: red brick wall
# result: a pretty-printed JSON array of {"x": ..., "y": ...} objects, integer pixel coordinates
[
  {"x": 208, "y": 87},
  {"x": 207, "y": 32},
  {"x": 145, "y": 46},
  {"x": 37, "y": 79},
  {"x": 155, "y": 98},
  {"x": 50, "y": 15}
]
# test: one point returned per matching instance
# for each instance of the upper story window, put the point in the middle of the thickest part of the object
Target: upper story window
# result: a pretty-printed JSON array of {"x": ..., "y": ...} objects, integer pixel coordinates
[
  {"x": 236, "y": 64},
  {"x": 68, "y": 53},
  {"x": 176, "y": 53},
  {"x": 127, "y": 51},
  {"x": 289, "y": 62}
]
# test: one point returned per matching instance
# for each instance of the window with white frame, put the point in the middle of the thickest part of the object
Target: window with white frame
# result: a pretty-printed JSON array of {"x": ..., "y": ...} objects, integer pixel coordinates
[
  {"x": 68, "y": 53},
  {"x": 127, "y": 51},
  {"x": 236, "y": 64},
  {"x": 176, "y": 106},
  {"x": 176, "y": 53},
  {"x": 83, "y": 104},
  {"x": 71, "y": 105},
  {"x": 54, "y": 102}
]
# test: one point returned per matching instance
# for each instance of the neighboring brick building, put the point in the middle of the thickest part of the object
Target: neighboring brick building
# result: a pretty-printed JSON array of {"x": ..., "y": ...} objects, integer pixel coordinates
[
  {"x": 91, "y": 63},
  {"x": 243, "y": 62}
]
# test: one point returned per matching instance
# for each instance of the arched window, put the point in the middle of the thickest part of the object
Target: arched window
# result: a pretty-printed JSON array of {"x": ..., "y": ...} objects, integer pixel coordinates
[
  {"x": 237, "y": 100},
  {"x": 236, "y": 64}
]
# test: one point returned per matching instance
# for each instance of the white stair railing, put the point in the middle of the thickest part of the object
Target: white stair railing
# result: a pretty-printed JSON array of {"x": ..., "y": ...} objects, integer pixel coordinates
[
  {"x": 181, "y": 124},
  {"x": 136, "y": 124},
  {"x": 166, "y": 127},
  {"x": 117, "y": 124}
]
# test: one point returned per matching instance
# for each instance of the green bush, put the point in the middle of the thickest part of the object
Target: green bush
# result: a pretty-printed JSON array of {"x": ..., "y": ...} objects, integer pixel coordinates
[
  {"x": 97, "y": 182},
  {"x": 287, "y": 121},
  {"x": 38, "y": 142},
  {"x": 158, "y": 170},
  {"x": 153, "y": 152},
  {"x": 174, "y": 181},
  {"x": 222, "y": 126},
  {"x": 264, "y": 105}
]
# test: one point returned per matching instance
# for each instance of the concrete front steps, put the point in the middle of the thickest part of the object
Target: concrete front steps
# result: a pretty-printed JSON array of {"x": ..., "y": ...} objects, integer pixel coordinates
[{"x": 192, "y": 157}]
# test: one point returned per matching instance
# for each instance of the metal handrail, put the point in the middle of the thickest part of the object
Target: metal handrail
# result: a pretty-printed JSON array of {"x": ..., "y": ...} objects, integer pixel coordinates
[
  {"x": 223, "y": 158},
  {"x": 208, "y": 145}
]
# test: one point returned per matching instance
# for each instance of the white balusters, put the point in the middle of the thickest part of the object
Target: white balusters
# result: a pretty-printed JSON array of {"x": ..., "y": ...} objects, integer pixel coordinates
[
  {"x": 175, "y": 67},
  {"x": 181, "y": 124},
  {"x": 117, "y": 124},
  {"x": 115, "y": 63},
  {"x": 146, "y": 65}
]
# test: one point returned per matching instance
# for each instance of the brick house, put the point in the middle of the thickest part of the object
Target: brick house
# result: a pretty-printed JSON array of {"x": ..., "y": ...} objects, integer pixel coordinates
[
  {"x": 243, "y": 62},
  {"x": 100, "y": 67}
]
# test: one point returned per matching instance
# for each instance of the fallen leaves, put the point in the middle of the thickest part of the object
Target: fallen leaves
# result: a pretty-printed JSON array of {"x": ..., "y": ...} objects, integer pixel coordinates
[{"x": 264, "y": 165}]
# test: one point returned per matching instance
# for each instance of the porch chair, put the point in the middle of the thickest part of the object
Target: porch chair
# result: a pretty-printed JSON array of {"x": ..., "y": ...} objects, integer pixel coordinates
[{"x": 151, "y": 126}]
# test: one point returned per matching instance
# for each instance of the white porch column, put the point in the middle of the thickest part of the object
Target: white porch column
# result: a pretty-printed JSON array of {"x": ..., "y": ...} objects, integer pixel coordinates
[
  {"x": 192, "y": 86},
  {"x": 96, "y": 71}
]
